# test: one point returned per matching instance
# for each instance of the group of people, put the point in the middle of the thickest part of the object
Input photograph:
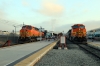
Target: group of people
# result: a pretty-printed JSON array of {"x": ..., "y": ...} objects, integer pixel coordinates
[{"x": 52, "y": 37}]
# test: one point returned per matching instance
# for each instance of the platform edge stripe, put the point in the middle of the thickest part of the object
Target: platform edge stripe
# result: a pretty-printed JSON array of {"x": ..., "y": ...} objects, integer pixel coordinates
[
  {"x": 94, "y": 46},
  {"x": 31, "y": 60}
]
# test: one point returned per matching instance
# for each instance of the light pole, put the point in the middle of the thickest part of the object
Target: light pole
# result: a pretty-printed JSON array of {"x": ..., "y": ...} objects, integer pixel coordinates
[
  {"x": 18, "y": 26},
  {"x": 15, "y": 33},
  {"x": 41, "y": 29},
  {"x": 53, "y": 25},
  {"x": 40, "y": 32},
  {"x": 63, "y": 33},
  {"x": 15, "y": 30}
]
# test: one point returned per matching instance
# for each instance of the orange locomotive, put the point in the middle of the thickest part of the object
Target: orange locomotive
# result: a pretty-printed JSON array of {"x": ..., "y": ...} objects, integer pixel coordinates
[
  {"x": 29, "y": 33},
  {"x": 77, "y": 33}
]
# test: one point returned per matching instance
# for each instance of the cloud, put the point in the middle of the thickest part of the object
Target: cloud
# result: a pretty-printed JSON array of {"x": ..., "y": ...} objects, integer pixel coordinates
[
  {"x": 5, "y": 22},
  {"x": 86, "y": 10},
  {"x": 3, "y": 6},
  {"x": 51, "y": 8},
  {"x": 94, "y": 25},
  {"x": 50, "y": 24},
  {"x": 8, "y": 25},
  {"x": 25, "y": 3},
  {"x": 3, "y": 18},
  {"x": 79, "y": 4},
  {"x": 72, "y": 10},
  {"x": 2, "y": 13}
]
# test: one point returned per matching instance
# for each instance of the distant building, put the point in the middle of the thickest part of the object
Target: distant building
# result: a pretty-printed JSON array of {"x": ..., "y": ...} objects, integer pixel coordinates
[
  {"x": 0, "y": 32},
  {"x": 4, "y": 32},
  {"x": 17, "y": 32}
]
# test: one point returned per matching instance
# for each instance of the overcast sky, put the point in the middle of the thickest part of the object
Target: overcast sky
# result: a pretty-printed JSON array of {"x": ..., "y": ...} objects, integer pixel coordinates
[{"x": 50, "y": 14}]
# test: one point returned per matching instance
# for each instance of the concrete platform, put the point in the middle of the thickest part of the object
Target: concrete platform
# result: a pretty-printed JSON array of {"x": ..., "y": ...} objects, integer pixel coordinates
[
  {"x": 10, "y": 56},
  {"x": 95, "y": 44}
]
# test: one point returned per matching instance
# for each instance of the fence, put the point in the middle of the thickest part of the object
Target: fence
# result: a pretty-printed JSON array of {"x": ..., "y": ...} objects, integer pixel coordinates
[{"x": 8, "y": 36}]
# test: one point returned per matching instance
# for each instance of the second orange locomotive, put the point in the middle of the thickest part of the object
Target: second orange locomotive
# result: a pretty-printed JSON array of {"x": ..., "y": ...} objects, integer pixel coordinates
[
  {"x": 77, "y": 33},
  {"x": 29, "y": 33}
]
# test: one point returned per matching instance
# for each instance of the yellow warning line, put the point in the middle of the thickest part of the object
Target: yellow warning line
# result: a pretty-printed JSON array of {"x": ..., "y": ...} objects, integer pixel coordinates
[{"x": 31, "y": 60}]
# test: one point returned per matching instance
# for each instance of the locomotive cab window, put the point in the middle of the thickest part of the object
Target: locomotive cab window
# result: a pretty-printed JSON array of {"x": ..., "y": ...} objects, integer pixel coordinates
[
  {"x": 36, "y": 28},
  {"x": 23, "y": 27},
  {"x": 82, "y": 26},
  {"x": 29, "y": 27},
  {"x": 75, "y": 26}
]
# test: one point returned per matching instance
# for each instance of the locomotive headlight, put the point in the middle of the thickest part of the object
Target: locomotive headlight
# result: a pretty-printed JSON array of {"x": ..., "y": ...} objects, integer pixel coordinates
[{"x": 74, "y": 33}]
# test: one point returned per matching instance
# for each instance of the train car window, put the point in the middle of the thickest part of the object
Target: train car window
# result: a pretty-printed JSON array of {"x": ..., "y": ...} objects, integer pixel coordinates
[
  {"x": 97, "y": 35},
  {"x": 75, "y": 26},
  {"x": 82, "y": 26},
  {"x": 98, "y": 30},
  {"x": 23, "y": 27},
  {"x": 29, "y": 27}
]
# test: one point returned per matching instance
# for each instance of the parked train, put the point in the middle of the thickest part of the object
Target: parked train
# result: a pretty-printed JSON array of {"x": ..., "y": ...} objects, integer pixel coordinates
[
  {"x": 29, "y": 33},
  {"x": 94, "y": 34},
  {"x": 77, "y": 33}
]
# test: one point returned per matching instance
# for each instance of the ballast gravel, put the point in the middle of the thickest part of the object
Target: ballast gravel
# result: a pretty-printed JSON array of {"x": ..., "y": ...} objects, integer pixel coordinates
[{"x": 69, "y": 57}]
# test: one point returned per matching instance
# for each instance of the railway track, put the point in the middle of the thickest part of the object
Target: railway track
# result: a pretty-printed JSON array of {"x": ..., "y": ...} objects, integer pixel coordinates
[{"x": 93, "y": 51}]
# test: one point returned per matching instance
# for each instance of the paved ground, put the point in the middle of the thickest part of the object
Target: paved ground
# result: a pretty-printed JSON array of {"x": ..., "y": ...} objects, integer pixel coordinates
[{"x": 19, "y": 52}]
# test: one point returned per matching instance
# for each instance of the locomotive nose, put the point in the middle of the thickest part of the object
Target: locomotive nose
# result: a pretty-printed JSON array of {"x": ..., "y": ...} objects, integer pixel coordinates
[
  {"x": 26, "y": 33},
  {"x": 23, "y": 32},
  {"x": 80, "y": 33}
]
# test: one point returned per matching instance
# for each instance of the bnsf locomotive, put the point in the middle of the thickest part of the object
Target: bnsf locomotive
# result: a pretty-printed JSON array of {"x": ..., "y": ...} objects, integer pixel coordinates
[
  {"x": 77, "y": 33},
  {"x": 29, "y": 33}
]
